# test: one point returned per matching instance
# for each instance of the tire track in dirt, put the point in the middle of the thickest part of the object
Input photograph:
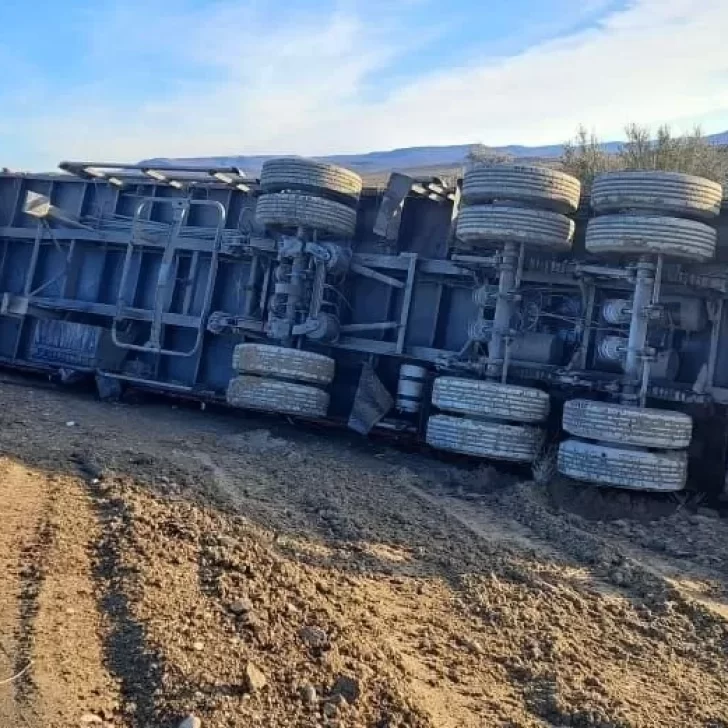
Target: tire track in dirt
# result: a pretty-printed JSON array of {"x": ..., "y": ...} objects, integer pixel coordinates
[
  {"x": 24, "y": 501},
  {"x": 71, "y": 630},
  {"x": 50, "y": 627},
  {"x": 611, "y": 566},
  {"x": 135, "y": 669},
  {"x": 34, "y": 560},
  {"x": 691, "y": 581}
]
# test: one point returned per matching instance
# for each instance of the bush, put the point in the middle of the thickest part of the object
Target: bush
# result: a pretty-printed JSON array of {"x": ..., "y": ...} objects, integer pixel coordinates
[
  {"x": 584, "y": 157},
  {"x": 480, "y": 155},
  {"x": 690, "y": 153}
]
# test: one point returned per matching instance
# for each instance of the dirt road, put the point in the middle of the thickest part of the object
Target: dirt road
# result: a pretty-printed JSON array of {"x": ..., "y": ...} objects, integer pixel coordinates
[{"x": 159, "y": 561}]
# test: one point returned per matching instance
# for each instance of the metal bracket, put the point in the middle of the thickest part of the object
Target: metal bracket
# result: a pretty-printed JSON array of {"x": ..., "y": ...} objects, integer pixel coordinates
[
  {"x": 389, "y": 216},
  {"x": 165, "y": 282},
  {"x": 13, "y": 305},
  {"x": 220, "y": 322}
]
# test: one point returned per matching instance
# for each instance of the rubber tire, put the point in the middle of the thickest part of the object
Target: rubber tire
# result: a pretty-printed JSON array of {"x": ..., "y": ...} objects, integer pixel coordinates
[
  {"x": 671, "y": 192},
  {"x": 643, "y": 235},
  {"x": 492, "y": 440},
  {"x": 625, "y": 425},
  {"x": 280, "y": 361},
  {"x": 493, "y": 224},
  {"x": 297, "y": 173},
  {"x": 541, "y": 187},
  {"x": 614, "y": 466},
  {"x": 490, "y": 399},
  {"x": 270, "y": 395},
  {"x": 291, "y": 209}
]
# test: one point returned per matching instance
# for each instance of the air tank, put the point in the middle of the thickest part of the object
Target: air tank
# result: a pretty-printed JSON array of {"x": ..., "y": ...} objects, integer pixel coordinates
[{"x": 410, "y": 388}]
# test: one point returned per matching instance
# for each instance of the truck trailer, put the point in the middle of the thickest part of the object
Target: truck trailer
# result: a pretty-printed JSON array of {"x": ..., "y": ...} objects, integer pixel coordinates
[{"x": 508, "y": 315}]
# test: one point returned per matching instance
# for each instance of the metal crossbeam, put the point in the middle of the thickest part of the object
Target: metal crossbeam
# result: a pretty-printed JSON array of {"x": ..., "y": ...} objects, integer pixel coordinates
[{"x": 178, "y": 176}]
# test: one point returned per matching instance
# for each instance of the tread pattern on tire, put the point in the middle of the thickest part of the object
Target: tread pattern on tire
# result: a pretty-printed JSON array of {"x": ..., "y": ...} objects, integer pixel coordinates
[
  {"x": 671, "y": 192},
  {"x": 622, "y": 424},
  {"x": 643, "y": 234},
  {"x": 279, "y": 361},
  {"x": 614, "y": 466},
  {"x": 298, "y": 173},
  {"x": 490, "y": 399},
  {"x": 291, "y": 209},
  {"x": 270, "y": 395},
  {"x": 484, "y": 224},
  {"x": 542, "y": 187},
  {"x": 515, "y": 443}
]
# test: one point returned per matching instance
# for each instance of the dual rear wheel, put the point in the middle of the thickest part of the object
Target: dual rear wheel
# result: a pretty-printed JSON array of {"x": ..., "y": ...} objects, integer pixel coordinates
[
  {"x": 653, "y": 213},
  {"x": 639, "y": 213},
  {"x": 281, "y": 380},
  {"x": 477, "y": 418},
  {"x": 487, "y": 419},
  {"x": 300, "y": 192},
  {"x": 624, "y": 446},
  {"x": 516, "y": 203},
  {"x": 611, "y": 444}
]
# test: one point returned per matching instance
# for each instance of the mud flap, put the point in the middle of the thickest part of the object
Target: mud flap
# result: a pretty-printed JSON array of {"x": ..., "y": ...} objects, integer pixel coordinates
[
  {"x": 389, "y": 215},
  {"x": 371, "y": 403}
]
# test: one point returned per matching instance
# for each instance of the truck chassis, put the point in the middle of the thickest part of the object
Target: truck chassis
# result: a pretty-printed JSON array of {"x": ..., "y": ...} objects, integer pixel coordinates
[{"x": 376, "y": 308}]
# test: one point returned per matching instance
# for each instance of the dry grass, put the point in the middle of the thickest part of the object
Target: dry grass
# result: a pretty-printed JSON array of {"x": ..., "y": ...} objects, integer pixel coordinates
[{"x": 543, "y": 469}]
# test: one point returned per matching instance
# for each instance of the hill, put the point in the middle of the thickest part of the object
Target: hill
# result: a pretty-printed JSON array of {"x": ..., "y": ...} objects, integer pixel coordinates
[{"x": 395, "y": 159}]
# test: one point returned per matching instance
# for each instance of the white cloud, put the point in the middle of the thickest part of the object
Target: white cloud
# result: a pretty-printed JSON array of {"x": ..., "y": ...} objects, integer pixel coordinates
[{"x": 304, "y": 83}]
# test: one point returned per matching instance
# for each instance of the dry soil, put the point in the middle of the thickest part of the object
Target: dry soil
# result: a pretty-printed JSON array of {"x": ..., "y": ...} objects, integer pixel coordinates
[{"x": 158, "y": 561}]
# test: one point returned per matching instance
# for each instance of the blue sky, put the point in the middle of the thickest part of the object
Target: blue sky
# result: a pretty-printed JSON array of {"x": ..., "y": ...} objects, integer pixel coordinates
[{"x": 126, "y": 79}]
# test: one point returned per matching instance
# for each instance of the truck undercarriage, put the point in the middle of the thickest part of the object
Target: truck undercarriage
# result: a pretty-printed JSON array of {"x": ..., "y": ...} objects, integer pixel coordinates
[{"x": 487, "y": 317}]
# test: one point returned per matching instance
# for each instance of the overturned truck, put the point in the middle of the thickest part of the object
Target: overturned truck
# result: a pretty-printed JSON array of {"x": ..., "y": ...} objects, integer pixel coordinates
[{"x": 506, "y": 316}]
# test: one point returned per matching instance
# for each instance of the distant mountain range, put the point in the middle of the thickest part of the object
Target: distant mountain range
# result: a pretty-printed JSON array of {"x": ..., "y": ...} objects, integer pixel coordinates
[{"x": 407, "y": 158}]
